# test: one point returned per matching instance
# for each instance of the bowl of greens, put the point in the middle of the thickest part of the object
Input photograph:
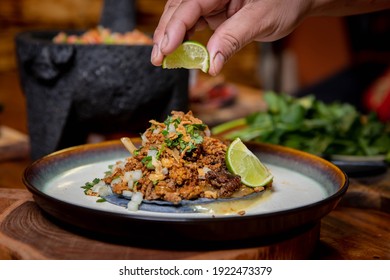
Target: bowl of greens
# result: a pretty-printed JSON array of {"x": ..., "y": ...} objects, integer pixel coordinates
[{"x": 358, "y": 143}]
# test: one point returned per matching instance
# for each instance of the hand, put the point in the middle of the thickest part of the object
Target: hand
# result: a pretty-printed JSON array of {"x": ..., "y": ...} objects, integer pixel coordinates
[
  {"x": 239, "y": 22},
  {"x": 236, "y": 23}
]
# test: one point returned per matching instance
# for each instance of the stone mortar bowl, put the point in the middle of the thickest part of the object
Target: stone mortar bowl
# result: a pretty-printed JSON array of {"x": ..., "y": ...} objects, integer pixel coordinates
[{"x": 73, "y": 90}]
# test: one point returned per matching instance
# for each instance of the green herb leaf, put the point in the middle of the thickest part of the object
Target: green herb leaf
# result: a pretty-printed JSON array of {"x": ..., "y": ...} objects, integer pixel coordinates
[
  {"x": 89, "y": 185},
  {"x": 147, "y": 161},
  {"x": 311, "y": 125}
]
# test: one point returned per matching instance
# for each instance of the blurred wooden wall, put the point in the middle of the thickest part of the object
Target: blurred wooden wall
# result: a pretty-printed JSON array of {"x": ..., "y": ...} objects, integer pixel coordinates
[
  {"x": 21, "y": 15},
  {"x": 319, "y": 44}
]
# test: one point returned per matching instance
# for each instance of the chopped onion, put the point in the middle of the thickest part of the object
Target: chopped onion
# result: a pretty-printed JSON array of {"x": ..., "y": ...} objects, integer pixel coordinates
[
  {"x": 135, "y": 201},
  {"x": 127, "y": 194},
  {"x": 127, "y": 176},
  {"x": 97, "y": 186},
  {"x": 152, "y": 153},
  {"x": 122, "y": 165},
  {"x": 105, "y": 190},
  {"x": 171, "y": 128},
  {"x": 165, "y": 171},
  {"x": 137, "y": 197},
  {"x": 115, "y": 181},
  {"x": 156, "y": 131},
  {"x": 132, "y": 206},
  {"x": 130, "y": 184},
  {"x": 134, "y": 175},
  {"x": 137, "y": 174},
  {"x": 101, "y": 189},
  {"x": 144, "y": 139},
  {"x": 157, "y": 164},
  {"x": 118, "y": 165}
]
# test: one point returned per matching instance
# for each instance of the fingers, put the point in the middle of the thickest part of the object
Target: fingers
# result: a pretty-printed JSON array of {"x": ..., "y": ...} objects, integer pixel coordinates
[
  {"x": 230, "y": 37},
  {"x": 170, "y": 7},
  {"x": 233, "y": 7},
  {"x": 236, "y": 23},
  {"x": 251, "y": 21},
  {"x": 200, "y": 25},
  {"x": 180, "y": 17}
]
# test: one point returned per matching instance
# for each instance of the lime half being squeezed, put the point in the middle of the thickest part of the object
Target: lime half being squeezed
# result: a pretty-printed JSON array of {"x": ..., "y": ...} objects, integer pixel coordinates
[{"x": 189, "y": 55}]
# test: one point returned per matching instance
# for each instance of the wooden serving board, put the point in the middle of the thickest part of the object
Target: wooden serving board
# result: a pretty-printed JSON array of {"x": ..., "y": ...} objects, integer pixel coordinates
[{"x": 26, "y": 233}]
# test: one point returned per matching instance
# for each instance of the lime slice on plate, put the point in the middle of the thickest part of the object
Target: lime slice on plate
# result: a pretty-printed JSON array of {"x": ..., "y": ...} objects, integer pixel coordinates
[
  {"x": 189, "y": 55},
  {"x": 241, "y": 161}
]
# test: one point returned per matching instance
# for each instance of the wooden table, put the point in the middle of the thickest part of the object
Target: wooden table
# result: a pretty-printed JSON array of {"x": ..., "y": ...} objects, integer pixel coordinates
[
  {"x": 350, "y": 231},
  {"x": 359, "y": 228}
]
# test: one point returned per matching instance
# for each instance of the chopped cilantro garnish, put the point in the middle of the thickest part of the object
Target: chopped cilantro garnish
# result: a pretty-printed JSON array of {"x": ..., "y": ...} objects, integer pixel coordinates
[
  {"x": 160, "y": 151},
  {"x": 147, "y": 161},
  {"x": 101, "y": 200},
  {"x": 173, "y": 143},
  {"x": 192, "y": 130},
  {"x": 170, "y": 120},
  {"x": 136, "y": 152},
  {"x": 195, "y": 128},
  {"x": 89, "y": 185},
  {"x": 109, "y": 171}
]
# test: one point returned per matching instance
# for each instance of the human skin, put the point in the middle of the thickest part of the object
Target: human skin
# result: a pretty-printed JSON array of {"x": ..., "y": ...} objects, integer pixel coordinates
[{"x": 236, "y": 23}]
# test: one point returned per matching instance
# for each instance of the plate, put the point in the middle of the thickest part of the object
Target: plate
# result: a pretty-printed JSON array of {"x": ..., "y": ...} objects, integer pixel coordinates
[
  {"x": 360, "y": 166},
  {"x": 305, "y": 189}
]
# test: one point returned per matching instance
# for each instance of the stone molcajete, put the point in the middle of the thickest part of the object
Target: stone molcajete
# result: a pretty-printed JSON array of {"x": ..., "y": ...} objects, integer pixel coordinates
[{"x": 73, "y": 90}]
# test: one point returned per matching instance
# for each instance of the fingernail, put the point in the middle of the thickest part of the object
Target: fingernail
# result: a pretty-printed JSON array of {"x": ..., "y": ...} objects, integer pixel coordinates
[
  {"x": 154, "y": 52},
  {"x": 164, "y": 42},
  {"x": 218, "y": 62}
]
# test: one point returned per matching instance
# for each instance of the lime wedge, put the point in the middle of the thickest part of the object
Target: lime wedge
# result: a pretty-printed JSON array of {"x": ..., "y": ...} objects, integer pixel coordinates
[
  {"x": 189, "y": 55},
  {"x": 241, "y": 161}
]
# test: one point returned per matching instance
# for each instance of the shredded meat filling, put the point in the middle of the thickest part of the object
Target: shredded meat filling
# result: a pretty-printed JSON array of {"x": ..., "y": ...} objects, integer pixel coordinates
[{"x": 225, "y": 182}]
